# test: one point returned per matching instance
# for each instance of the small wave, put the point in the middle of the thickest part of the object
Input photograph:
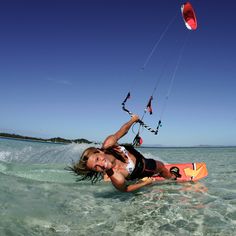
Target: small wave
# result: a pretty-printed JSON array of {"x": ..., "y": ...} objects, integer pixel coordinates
[{"x": 42, "y": 153}]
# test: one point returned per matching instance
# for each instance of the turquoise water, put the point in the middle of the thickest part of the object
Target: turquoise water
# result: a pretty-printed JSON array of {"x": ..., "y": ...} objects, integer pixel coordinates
[{"x": 38, "y": 197}]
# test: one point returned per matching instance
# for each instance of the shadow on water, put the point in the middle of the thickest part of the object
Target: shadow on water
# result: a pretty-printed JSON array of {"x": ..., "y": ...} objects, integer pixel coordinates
[
  {"x": 107, "y": 191},
  {"x": 114, "y": 194},
  {"x": 155, "y": 189}
]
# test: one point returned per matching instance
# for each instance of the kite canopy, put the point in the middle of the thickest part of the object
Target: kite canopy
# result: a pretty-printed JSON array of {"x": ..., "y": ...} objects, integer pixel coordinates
[{"x": 189, "y": 16}]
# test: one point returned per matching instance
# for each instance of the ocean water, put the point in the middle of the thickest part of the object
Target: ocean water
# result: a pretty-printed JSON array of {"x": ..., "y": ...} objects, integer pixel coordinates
[{"x": 38, "y": 197}]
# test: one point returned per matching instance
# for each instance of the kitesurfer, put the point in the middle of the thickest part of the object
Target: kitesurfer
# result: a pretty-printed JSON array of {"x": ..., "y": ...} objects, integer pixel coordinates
[{"x": 120, "y": 163}]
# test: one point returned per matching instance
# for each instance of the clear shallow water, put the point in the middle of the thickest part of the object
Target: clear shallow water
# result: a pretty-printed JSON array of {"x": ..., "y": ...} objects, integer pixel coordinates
[{"x": 38, "y": 197}]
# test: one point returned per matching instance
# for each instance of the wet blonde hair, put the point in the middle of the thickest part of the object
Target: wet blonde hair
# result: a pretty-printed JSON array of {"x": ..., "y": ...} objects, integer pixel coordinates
[{"x": 80, "y": 168}]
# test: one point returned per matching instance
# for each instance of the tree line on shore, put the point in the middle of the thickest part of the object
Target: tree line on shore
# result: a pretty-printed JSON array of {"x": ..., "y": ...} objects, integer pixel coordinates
[{"x": 54, "y": 140}]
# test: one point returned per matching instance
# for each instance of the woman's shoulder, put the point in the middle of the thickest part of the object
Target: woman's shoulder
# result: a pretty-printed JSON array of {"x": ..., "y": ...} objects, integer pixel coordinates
[{"x": 110, "y": 142}]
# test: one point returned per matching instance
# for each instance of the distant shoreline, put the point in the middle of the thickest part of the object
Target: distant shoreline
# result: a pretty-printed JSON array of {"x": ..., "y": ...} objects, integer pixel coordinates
[{"x": 56, "y": 140}]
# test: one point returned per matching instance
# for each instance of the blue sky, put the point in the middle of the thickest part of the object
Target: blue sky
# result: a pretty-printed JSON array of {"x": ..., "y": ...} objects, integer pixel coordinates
[{"x": 66, "y": 66}]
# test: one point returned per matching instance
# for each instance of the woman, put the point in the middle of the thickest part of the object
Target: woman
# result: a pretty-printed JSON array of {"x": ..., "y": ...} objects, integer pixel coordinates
[{"x": 120, "y": 163}]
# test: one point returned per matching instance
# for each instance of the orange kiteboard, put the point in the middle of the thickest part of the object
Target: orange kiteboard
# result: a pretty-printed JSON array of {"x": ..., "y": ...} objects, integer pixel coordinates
[{"x": 187, "y": 171}]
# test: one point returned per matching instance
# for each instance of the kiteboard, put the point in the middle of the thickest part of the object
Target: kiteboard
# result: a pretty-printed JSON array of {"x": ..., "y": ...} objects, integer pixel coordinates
[{"x": 186, "y": 171}]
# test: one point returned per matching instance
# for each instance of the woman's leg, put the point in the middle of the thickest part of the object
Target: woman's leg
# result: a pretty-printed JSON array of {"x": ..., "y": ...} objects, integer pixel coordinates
[{"x": 163, "y": 171}]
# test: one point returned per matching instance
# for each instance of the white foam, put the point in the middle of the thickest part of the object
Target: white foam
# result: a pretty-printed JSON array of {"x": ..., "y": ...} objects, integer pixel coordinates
[
  {"x": 36, "y": 153},
  {"x": 4, "y": 155}
]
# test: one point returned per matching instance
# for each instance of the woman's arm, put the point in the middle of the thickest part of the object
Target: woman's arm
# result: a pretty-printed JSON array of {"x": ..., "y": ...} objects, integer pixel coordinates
[
  {"x": 119, "y": 182},
  {"x": 140, "y": 184},
  {"x": 112, "y": 139}
]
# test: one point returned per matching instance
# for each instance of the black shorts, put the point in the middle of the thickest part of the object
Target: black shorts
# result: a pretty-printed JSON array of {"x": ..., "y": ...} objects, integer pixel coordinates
[{"x": 143, "y": 167}]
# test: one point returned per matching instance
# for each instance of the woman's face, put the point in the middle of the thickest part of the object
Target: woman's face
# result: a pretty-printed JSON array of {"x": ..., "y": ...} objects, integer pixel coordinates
[{"x": 99, "y": 162}]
